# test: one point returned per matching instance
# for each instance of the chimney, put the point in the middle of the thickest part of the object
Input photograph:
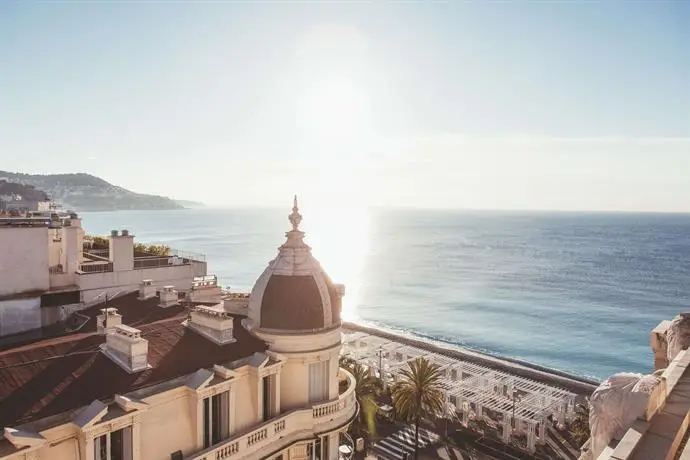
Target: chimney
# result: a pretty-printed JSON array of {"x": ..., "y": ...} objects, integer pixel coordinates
[
  {"x": 146, "y": 290},
  {"x": 169, "y": 297},
  {"x": 125, "y": 347},
  {"x": 121, "y": 251},
  {"x": 214, "y": 323},
  {"x": 107, "y": 320},
  {"x": 205, "y": 289}
]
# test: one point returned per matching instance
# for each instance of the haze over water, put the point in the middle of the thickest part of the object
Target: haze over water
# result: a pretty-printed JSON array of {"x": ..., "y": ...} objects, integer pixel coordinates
[{"x": 578, "y": 292}]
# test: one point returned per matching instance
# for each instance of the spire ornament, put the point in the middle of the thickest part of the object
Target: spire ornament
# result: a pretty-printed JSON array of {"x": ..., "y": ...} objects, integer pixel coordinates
[
  {"x": 295, "y": 237},
  {"x": 295, "y": 218}
]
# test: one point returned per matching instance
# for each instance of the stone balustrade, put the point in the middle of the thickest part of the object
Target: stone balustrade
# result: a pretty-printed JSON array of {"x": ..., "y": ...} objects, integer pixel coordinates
[{"x": 336, "y": 412}]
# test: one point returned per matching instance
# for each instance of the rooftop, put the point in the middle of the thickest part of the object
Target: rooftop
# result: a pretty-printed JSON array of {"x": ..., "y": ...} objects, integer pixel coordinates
[{"x": 45, "y": 377}]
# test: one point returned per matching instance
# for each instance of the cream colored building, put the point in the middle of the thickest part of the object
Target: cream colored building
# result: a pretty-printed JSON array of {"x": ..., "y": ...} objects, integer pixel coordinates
[
  {"x": 149, "y": 378},
  {"x": 45, "y": 273}
]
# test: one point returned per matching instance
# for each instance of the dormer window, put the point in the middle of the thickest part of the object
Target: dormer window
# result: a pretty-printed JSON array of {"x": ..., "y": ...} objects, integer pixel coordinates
[{"x": 116, "y": 445}]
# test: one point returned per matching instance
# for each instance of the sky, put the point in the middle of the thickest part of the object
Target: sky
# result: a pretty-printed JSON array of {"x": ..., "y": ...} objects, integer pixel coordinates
[{"x": 482, "y": 105}]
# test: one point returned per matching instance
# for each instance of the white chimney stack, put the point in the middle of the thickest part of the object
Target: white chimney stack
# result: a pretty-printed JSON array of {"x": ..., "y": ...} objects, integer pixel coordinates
[
  {"x": 169, "y": 297},
  {"x": 146, "y": 290},
  {"x": 205, "y": 289},
  {"x": 107, "y": 320},
  {"x": 213, "y": 323},
  {"x": 124, "y": 346}
]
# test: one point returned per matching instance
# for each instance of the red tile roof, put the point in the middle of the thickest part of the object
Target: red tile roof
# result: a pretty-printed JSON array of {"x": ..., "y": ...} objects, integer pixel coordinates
[{"x": 60, "y": 374}]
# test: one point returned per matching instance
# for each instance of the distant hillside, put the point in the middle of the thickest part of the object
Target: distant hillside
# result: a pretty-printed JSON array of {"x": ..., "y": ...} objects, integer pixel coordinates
[
  {"x": 84, "y": 192},
  {"x": 28, "y": 192}
]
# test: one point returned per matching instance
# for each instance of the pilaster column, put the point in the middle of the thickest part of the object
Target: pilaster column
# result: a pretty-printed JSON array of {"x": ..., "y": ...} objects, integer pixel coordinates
[
  {"x": 277, "y": 393},
  {"x": 232, "y": 422},
  {"x": 88, "y": 447},
  {"x": 333, "y": 444},
  {"x": 136, "y": 439},
  {"x": 259, "y": 398}
]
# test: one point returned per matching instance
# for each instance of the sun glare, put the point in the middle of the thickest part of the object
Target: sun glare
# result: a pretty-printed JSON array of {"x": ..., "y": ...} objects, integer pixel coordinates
[
  {"x": 341, "y": 248},
  {"x": 334, "y": 108}
]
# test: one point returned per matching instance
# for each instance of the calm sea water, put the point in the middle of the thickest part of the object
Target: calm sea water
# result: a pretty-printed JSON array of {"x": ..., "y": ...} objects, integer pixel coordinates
[{"x": 573, "y": 291}]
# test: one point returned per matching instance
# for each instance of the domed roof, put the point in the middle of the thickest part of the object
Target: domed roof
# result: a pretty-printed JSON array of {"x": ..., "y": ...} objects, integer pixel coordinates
[{"x": 294, "y": 293}]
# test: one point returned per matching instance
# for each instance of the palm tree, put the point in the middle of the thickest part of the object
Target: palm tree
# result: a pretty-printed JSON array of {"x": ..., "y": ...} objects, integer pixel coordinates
[
  {"x": 366, "y": 388},
  {"x": 419, "y": 395}
]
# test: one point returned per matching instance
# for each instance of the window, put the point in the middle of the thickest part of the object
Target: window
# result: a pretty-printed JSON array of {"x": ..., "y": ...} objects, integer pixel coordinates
[
  {"x": 216, "y": 412},
  {"x": 266, "y": 384},
  {"x": 318, "y": 381},
  {"x": 324, "y": 448},
  {"x": 319, "y": 449},
  {"x": 116, "y": 445}
]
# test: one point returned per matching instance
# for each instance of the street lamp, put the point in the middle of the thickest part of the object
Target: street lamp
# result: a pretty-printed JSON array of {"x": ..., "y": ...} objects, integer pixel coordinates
[{"x": 381, "y": 376}]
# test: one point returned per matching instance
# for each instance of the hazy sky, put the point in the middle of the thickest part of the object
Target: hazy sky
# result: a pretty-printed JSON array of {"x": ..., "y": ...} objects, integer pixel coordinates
[{"x": 560, "y": 105}]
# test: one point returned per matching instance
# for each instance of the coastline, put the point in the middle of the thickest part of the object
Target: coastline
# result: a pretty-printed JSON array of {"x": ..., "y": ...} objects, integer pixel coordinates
[{"x": 577, "y": 384}]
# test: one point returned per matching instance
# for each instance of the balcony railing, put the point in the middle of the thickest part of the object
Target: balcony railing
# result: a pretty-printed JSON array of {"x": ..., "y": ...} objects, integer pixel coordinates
[
  {"x": 96, "y": 267},
  {"x": 308, "y": 419},
  {"x": 156, "y": 262}
]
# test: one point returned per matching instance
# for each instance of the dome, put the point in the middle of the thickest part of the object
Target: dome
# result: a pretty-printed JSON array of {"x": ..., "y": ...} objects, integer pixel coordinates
[{"x": 294, "y": 293}]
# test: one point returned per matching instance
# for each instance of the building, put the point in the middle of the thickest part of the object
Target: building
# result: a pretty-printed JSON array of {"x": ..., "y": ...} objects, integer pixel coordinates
[
  {"x": 635, "y": 417},
  {"x": 151, "y": 378},
  {"x": 46, "y": 272},
  {"x": 9, "y": 202}
]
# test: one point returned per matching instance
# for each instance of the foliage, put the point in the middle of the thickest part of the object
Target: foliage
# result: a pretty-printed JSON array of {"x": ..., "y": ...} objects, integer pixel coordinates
[
  {"x": 153, "y": 249},
  {"x": 97, "y": 242},
  {"x": 367, "y": 387},
  {"x": 580, "y": 426},
  {"x": 101, "y": 242},
  {"x": 347, "y": 363},
  {"x": 419, "y": 395}
]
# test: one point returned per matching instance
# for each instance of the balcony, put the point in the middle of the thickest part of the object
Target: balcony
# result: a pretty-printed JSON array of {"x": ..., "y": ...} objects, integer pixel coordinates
[{"x": 289, "y": 427}]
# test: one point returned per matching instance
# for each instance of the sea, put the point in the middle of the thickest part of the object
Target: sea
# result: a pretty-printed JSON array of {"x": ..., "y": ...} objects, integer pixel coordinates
[{"x": 577, "y": 292}]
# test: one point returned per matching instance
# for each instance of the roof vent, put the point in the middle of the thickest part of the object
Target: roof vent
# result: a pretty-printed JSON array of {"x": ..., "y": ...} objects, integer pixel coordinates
[
  {"x": 213, "y": 323},
  {"x": 125, "y": 232},
  {"x": 146, "y": 290},
  {"x": 169, "y": 297},
  {"x": 114, "y": 233},
  {"x": 125, "y": 347},
  {"x": 108, "y": 320}
]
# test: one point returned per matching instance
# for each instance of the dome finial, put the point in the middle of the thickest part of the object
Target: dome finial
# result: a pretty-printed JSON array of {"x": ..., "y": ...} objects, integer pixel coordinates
[{"x": 295, "y": 218}]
